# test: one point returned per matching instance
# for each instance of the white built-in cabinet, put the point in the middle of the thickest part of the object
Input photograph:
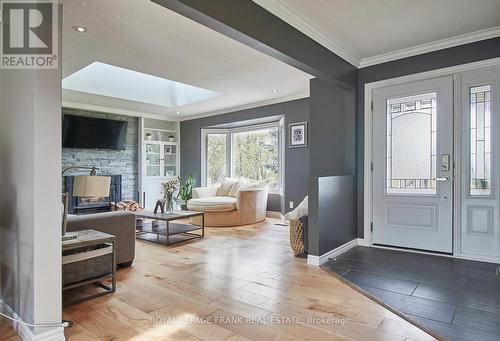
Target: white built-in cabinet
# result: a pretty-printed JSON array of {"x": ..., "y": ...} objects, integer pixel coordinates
[
  {"x": 159, "y": 155},
  {"x": 160, "y": 159}
]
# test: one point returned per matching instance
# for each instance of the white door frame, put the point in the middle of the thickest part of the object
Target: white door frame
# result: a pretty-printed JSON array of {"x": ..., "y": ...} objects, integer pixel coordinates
[{"x": 368, "y": 148}]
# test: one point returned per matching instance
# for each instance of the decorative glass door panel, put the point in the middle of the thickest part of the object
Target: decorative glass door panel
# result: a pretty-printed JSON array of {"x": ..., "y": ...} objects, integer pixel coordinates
[
  {"x": 411, "y": 145},
  {"x": 480, "y": 140}
]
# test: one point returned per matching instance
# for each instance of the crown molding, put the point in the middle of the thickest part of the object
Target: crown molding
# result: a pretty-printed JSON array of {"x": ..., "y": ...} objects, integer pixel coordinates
[
  {"x": 432, "y": 46},
  {"x": 281, "y": 10},
  {"x": 301, "y": 95},
  {"x": 284, "y": 12}
]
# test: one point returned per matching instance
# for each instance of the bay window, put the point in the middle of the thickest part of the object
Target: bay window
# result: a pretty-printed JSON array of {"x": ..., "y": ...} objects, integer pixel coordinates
[{"x": 253, "y": 153}]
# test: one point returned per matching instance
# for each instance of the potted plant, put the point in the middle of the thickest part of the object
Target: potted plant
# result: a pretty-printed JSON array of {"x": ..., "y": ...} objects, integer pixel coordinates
[{"x": 185, "y": 190}]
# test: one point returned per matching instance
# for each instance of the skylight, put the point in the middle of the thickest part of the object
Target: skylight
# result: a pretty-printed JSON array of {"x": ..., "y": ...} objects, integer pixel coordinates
[{"x": 113, "y": 81}]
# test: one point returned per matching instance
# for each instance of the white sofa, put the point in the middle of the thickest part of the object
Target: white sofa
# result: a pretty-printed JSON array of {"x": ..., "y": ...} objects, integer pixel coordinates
[{"x": 224, "y": 208}]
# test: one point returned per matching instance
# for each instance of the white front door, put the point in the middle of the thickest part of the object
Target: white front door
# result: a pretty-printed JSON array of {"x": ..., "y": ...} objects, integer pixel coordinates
[{"x": 413, "y": 165}]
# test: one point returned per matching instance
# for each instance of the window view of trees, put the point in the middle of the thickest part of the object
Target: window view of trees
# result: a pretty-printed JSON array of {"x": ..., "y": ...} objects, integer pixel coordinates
[
  {"x": 256, "y": 155},
  {"x": 216, "y": 158}
]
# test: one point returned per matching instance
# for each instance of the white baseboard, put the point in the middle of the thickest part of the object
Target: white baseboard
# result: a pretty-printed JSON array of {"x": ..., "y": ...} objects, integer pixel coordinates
[
  {"x": 26, "y": 333},
  {"x": 319, "y": 260},
  {"x": 274, "y": 214},
  {"x": 363, "y": 242}
]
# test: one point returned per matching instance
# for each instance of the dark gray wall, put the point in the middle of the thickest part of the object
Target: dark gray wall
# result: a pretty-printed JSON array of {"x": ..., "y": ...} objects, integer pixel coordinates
[
  {"x": 332, "y": 218},
  {"x": 332, "y": 206},
  {"x": 332, "y": 130},
  {"x": 296, "y": 159},
  {"x": 110, "y": 162},
  {"x": 458, "y": 55}
]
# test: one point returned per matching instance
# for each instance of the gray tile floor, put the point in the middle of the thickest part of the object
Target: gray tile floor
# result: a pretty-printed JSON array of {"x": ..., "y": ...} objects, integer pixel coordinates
[{"x": 459, "y": 299}]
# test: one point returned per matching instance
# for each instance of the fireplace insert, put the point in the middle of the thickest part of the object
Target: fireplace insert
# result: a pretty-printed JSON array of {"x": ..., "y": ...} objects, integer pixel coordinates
[{"x": 81, "y": 205}]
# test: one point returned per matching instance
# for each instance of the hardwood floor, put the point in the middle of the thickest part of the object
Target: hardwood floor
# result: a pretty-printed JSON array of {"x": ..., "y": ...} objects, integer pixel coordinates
[
  {"x": 7, "y": 333},
  {"x": 236, "y": 284}
]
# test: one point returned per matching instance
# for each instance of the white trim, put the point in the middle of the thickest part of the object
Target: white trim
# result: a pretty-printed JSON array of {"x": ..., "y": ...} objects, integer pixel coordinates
[
  {"x": 457, "y": 157},
  {"x": 140, "y": 156},
  {"x": 285, "y": 13},
  {"x": 54, "y": 334},
  {"x": 204, "y": 133},
  {"x": 363, "y": 242},
  {"x": 319, "y": 260},
  {"x": 26, "y": 333},
  {"x": 432, "y": 46},
  {"x": 300, "y": 95},
  {"x": 275, "y": 215},
  {"x": 111, "y": 110},
  {"x": 368, "y": 151}
]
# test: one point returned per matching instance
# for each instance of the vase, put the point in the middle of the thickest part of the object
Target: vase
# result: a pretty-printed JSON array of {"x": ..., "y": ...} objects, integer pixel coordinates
[
  {"x": 169, "y": 204},
  {"x": 182, "y": 204}
]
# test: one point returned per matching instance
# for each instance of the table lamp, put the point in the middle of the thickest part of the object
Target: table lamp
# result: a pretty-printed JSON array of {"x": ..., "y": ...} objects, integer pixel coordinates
[{"x": 84, "y": 186}]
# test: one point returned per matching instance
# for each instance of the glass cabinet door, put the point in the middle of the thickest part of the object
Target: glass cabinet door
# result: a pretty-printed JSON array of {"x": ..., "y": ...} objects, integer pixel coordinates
[
  {"x": 169, "y": 160},
  {"x": 153, "y": 159}
]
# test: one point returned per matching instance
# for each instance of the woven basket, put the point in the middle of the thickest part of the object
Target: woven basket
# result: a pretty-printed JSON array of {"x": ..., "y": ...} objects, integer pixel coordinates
[
  {"x": 86, "y": 269},
  {"x": 297, "y": 237}
]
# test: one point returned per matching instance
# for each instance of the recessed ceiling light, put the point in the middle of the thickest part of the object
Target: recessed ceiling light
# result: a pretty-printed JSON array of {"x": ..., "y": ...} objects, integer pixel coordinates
[
  {"x": 275, "y": 91},
  {"x": 80, "y": 29},
  {"x": 177, "y": 112}
]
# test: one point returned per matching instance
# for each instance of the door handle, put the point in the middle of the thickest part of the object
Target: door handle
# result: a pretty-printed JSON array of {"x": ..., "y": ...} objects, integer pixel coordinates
[{"x": 442, "y": 179}]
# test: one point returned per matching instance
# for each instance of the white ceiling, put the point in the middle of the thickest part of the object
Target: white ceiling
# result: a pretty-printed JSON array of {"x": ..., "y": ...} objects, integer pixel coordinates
[
  {"x": 142, "y": 36},
  {"x": 367, "y": 32}
]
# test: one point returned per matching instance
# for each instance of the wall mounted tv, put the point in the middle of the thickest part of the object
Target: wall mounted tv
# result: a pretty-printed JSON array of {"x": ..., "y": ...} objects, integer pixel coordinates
[{"x": 93, "y": 133}]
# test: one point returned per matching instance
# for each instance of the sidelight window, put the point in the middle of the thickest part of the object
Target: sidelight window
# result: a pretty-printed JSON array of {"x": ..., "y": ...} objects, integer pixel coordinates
[{"x": 480, "y": 140}]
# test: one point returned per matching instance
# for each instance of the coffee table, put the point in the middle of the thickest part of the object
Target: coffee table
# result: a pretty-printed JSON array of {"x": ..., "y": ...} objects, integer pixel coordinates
[{"x": 169, "y": 229}]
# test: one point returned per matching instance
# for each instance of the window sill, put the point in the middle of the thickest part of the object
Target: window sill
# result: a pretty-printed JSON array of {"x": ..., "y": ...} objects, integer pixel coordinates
[{"x": 276, "y": 191}]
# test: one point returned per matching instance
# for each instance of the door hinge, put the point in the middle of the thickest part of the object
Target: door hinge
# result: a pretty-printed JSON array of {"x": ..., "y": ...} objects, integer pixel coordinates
[
  {"x": 371, "y": 105},
  {"x": 371, "y": 166},
  {"x": 371, "y": 227}
]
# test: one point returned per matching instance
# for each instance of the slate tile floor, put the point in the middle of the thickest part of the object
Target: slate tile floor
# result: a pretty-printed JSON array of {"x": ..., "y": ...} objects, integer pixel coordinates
[{"x": 459, "y": 299}]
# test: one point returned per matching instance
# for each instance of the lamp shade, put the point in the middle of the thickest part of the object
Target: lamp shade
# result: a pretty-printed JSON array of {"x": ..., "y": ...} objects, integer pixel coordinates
[{"x": 91, "y": 186}]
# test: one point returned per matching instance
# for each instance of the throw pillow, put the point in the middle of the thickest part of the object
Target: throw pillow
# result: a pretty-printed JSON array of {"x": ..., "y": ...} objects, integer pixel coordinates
[
  {"x": 255, "y": 185},
  {"x": 233, "y": 192},
  {"x": 300, "y": 211},
  {"x": 224, "y": 188}
]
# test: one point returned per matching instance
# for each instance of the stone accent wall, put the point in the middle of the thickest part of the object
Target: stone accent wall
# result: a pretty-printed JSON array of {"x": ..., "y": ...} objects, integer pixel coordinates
[{"x": 110, "y": 162}]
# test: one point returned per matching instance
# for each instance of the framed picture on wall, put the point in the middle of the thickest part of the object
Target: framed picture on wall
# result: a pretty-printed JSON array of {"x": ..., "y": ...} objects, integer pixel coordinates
[{"x": 297, "y": 135}]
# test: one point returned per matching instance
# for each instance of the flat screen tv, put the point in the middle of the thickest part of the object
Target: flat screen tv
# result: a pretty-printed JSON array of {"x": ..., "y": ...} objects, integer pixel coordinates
[{"x": 93, "y": 133}]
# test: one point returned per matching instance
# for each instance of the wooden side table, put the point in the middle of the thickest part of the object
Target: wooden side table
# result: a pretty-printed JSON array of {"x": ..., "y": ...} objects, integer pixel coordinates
[{"x": 89, "y": 259}]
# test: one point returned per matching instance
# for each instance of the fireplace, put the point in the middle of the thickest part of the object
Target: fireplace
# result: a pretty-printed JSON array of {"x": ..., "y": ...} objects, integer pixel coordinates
[{"x": 91, "y": 205}]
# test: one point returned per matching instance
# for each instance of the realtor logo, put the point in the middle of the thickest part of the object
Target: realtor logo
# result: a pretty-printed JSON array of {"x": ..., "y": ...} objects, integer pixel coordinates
[{"x": 29, "y": 34}]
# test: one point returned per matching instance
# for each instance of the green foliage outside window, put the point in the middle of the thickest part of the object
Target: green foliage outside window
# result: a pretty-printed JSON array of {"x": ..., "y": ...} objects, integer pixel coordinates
[
  {"x": 256, "y": 155},
  {"x": 216, "y": 158}
]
